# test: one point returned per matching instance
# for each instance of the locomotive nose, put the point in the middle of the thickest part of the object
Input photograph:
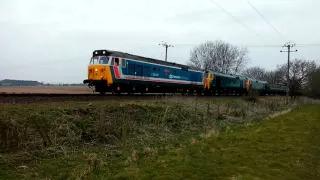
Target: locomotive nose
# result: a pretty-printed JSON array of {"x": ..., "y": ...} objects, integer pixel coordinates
[{"x": 100, "y": 73}]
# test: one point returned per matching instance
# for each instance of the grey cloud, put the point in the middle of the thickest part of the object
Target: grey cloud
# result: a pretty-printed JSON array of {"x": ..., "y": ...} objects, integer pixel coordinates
[{"x": 53, "y": 40}]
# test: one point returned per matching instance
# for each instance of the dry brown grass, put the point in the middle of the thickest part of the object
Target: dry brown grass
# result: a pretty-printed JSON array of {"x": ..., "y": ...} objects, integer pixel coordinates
[
  {"x": 63, "y": 134},
  {"x": 46, "y": 89}
]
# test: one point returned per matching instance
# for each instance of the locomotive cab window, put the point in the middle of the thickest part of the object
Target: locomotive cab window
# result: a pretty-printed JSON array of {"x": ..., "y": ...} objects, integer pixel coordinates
[
  {"x": 103, "y": 60},
  {"x": 123, "y": 63},
  {"x": 94, "y": 60},
  {"x": 116, "y": 61},
  {"x": 112, "y": 61}
]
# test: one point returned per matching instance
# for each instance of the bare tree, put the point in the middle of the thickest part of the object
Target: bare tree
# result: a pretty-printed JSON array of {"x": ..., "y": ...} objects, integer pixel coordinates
[
  {"x": 219, "y": 56},
  {"x": 256, "y": 73},
  {"x": 299, "y": 75},
  {"x": 274, "y": 77},
  {"x": 313, "y": 88}
]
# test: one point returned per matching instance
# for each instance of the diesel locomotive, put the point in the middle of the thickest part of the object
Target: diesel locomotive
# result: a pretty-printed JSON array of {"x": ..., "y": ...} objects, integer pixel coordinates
[{"x": 120, "y": 72}]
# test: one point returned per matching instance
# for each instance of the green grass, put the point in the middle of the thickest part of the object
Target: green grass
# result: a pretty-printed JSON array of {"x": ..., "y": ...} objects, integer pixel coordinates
[
  {"x": 287, "y": 147},
  {"x": 159, "y": 140}
]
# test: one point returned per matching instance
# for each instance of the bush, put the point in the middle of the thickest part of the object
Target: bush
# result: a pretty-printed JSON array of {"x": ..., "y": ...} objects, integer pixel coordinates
[{"x": 253, "y": 99}]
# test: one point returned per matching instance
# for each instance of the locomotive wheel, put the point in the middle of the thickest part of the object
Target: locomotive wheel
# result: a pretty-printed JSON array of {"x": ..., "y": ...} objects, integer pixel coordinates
[{"x": 115, "y": 92}]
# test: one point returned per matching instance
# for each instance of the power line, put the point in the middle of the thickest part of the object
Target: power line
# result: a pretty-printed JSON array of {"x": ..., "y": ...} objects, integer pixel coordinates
[
  {"x": 237, "y": 19},
  {"x": 162, "y": 53},
  {"x": 266, "y": 20},
  {"x": 256, "y": 45},
  {"x": 315, "y": 44}
]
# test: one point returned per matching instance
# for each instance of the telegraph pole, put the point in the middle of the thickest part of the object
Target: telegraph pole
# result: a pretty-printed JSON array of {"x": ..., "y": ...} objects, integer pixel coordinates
[
  {"x": 166, "y": 45},
  {"x": 288, "y": 46}
]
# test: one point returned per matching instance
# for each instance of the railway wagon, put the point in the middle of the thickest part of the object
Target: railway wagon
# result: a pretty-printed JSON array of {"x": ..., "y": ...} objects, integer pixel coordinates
[{"x": 117, "y": 72}]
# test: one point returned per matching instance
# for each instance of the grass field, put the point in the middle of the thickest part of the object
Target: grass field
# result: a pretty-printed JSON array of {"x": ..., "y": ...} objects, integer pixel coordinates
[{"x": 164, "y": 139}]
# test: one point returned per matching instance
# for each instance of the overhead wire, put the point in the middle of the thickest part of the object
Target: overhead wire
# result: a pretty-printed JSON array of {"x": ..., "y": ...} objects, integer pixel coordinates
[
  {"x": 258, "y": 12},
  {"x": 237, "y": 20},
  {"x": 253, "y": 45}
]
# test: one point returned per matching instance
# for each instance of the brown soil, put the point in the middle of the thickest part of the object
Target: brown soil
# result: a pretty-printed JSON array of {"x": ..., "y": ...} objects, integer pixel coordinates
[{"x": 45, "y": 89}]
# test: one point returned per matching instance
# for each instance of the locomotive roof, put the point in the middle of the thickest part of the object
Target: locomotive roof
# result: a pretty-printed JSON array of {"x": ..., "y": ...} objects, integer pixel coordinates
[
  {"x": 252, "y": 79},
  {"x": 227, "y": 75},
  {"x": 140, "y": 58},
  {"x": 156, "y": 61}
]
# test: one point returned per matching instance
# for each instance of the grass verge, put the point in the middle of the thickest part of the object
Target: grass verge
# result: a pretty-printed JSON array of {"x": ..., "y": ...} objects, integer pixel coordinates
[
  {"x": 153, "y": 140},
  {"x": 286, "y": 147}
]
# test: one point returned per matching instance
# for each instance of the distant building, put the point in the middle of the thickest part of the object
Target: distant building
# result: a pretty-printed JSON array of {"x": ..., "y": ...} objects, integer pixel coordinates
[{"x": 5, "y": 84}]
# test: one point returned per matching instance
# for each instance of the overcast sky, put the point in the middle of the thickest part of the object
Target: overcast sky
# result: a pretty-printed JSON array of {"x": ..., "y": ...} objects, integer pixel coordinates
[{"x": 52, "y": 40}]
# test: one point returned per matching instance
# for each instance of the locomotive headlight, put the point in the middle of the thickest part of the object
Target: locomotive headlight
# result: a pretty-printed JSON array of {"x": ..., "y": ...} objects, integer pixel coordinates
[
  {"x": 96, "y": 69},
  {"x": 104, "y": 52}
]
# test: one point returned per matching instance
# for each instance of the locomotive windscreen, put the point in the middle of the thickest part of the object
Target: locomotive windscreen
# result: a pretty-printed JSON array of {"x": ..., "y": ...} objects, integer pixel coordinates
[{"x": 99, "y": 60}]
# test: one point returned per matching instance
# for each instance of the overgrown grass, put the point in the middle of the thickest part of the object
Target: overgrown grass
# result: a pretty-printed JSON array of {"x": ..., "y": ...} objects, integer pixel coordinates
[
  {"x": 286, "y": 147},
  {"x": 113, "y": 139}
]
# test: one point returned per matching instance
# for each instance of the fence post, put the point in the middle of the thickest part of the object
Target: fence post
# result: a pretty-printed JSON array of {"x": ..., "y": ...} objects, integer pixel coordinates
[
  {"x": 227, "y": 108},
  {"x": 208, "y": 113},
  {"x": 195, "y": 107},
  {"x": 101, "y": 121},
  {"x": 164, "y": 116}
]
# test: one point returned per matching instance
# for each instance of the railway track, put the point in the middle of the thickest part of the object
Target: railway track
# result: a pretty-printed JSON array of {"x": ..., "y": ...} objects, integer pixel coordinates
[{"x": 42, "y": 97}]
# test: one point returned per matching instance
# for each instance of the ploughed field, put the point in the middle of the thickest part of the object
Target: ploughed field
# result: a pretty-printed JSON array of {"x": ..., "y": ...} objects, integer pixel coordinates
[{"x": 45, "y": 90}]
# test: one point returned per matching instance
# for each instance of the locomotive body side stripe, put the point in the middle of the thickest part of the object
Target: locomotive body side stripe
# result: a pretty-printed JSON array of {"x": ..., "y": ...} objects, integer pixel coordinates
[
  {"x": 119, "y": 75},
  {"x": 116, "y": 72},
  {"x": 141, "y": 78},
  {"x": 164, "y": 81}
]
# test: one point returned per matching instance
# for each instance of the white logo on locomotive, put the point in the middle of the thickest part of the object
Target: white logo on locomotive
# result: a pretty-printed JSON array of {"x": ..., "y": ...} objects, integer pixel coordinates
[{"x": 174, "y": 77}]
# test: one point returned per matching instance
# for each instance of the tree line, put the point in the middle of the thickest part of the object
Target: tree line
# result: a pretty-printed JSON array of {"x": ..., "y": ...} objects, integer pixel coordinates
[
  {"x": 220, "y": 56},
  {"x": 13, "y": 82}
]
